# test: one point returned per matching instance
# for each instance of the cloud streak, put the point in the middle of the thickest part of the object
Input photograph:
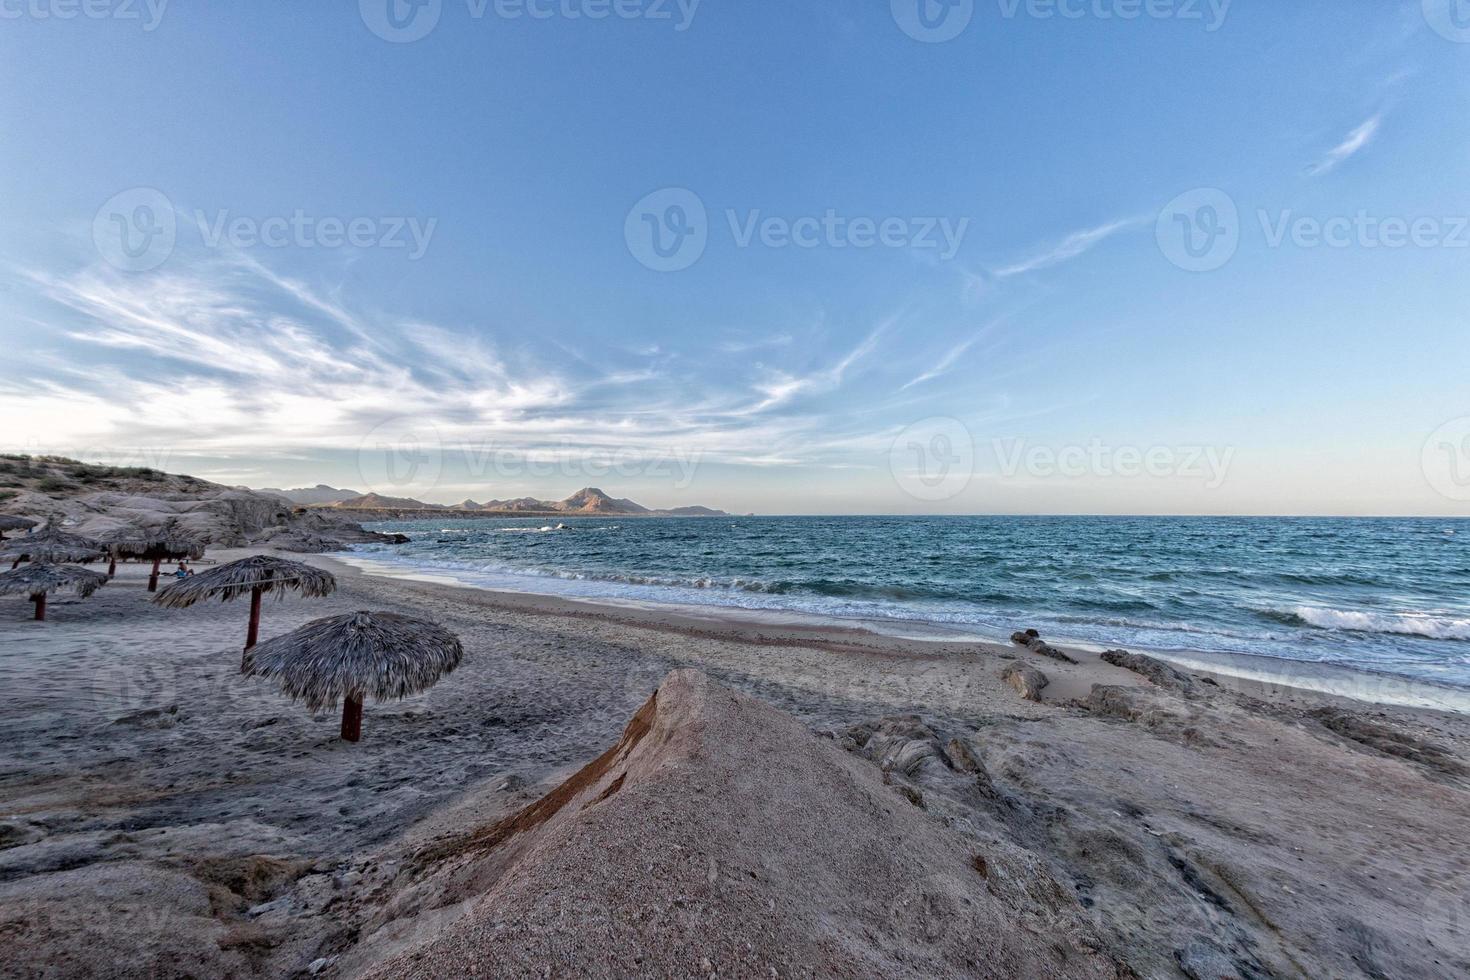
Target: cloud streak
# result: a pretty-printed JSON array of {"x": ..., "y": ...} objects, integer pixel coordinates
[{"x": 1356, "y": 142}]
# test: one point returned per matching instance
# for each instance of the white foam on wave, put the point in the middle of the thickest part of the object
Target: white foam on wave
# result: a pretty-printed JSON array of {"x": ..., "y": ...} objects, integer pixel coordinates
[{"x": 1407, "y": 623}]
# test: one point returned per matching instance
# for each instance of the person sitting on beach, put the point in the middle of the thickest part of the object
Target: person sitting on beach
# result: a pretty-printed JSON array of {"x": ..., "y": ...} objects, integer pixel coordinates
[{"x": 183, "y": 571}]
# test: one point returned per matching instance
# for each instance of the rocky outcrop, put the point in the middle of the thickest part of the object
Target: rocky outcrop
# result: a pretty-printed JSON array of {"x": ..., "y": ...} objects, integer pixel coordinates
[
  {"x": 720, "y": 838},
  {"x": 1160, "y": 673},
  {"x": 216, "y": 516},
  {"x": 1031, "y": 640},
  {"x": 1028, "y": 681}
]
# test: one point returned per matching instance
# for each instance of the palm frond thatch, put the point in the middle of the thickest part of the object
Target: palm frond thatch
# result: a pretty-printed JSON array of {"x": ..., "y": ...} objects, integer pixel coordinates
[
  {"x": 165, "y": 543},
  {"x": 240, "y": 578},
  {"x": 51, "y": 545},
  {"x": 9, "y": 522},
  {"x": 382, "y": 654},
  {"x": 40, "y": 579}
]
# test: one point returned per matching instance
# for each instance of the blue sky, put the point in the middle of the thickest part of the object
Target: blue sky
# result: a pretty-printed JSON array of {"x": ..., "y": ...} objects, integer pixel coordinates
[{"x": 983, "y": 310}]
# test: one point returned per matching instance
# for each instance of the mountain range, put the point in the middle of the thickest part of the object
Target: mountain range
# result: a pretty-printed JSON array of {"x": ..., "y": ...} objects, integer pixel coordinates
[{"x": 590, "y": 500}]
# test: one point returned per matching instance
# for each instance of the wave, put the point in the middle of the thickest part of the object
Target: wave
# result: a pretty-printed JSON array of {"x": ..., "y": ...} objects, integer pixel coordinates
[{"x": 1422, "y": 624}]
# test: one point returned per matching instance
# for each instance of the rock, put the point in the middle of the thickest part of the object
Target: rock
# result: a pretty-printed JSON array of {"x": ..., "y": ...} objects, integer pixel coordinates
[
  {"x": 1156, "y": 671},
  {"x": 1206, "y": 961},
  {"x": 962, "y": 757},
  {"x": 899, "y": 743},
  {"x": 1031, "y": 640},
  {"x": 1028, "y": 681},
  {"x": 318, "y": 965}
]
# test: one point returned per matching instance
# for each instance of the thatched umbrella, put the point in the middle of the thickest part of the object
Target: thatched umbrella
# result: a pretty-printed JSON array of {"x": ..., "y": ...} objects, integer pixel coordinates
[
  {"x": 350, "y": 657},
  {"x": 253, "y": 576},
  {"x": 51, "y": 545},
  {"x": 36, "y": 580},
  {"x": 8, "y": 523},
  {"x": 160, "y": 544}
]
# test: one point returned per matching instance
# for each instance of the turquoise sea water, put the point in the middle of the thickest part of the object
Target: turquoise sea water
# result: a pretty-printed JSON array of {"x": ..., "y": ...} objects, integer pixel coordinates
[{"x": 1389, "y": 595}]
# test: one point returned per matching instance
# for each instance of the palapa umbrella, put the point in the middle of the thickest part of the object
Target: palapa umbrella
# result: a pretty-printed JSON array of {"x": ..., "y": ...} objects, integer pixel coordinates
[
  {"x": 41, "y": 578},
  {"x": 382, "y": 654},
  {"x": 157, "y": 544},
  {"x": 51, "y": 545},
  {"x": 9, "y": 523},
  {"x": 253, "y": 576}
]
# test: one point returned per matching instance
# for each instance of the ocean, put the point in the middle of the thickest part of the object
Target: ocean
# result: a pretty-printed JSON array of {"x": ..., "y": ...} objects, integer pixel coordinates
[{"x": 1387, "y": 595}]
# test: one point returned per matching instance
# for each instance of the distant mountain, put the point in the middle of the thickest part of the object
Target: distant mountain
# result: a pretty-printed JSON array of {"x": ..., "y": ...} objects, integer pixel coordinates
[
  {"x": 319, "y": 494},
  {"x": 587, "y": 501},
  {"x": 376, "y": 501}
]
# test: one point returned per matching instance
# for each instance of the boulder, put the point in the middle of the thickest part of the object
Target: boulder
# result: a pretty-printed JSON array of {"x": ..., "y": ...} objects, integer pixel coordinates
[{"x": 1028, "y": 681}]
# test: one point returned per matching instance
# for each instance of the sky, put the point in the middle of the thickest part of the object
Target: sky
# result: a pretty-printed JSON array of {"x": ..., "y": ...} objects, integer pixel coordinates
[{"x": 918, "y": 256}]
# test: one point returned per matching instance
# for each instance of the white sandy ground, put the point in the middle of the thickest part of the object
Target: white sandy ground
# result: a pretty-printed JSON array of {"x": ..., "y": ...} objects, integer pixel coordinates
[{"x": 161, "y": 816}]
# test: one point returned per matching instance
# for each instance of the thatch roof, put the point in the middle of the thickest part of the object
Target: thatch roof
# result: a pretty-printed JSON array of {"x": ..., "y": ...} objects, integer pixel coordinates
[
  {"x": 37, "y": 580},
  {"x": 52, "y": 545},
  {"x": 167, "y": 543},
  {"x": 10, "y": 523},
  {"x": 238, "y": 578},
  {"x": 381, "y": 654}
]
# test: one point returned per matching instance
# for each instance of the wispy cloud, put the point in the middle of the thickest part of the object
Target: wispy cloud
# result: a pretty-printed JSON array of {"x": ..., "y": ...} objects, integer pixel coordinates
[
  {"x": 951, "y": 357},
  {"x": 1357, "y": 141},
  {"x": 1070, "y": 247}
]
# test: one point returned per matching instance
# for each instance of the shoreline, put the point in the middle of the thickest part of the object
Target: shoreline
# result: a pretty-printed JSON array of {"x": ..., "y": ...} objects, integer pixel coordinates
[
  {"x": 198, "y": 817},
  {"x": 1252, "y": 673}
]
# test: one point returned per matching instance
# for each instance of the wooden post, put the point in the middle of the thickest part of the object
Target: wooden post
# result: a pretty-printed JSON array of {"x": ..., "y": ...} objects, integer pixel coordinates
[
  {"x": 153, "y": 578},
  {"x": 40, "y": 602},
  {"x": 112, "y": 566},
  {"x": 352, "y": 718},
  {"x": 253, "y": 633}
]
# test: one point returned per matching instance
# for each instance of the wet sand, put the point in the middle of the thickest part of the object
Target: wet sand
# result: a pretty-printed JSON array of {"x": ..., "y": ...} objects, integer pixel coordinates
[{"x": 221, "y": 829}]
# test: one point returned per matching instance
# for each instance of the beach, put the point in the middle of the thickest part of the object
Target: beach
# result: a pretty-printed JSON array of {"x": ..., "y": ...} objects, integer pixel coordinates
[{"x": 164, "y": 816}]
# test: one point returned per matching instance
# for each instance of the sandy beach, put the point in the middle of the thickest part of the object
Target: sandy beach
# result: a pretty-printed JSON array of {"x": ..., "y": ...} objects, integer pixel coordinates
[{"x": 163, "y": 816}]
